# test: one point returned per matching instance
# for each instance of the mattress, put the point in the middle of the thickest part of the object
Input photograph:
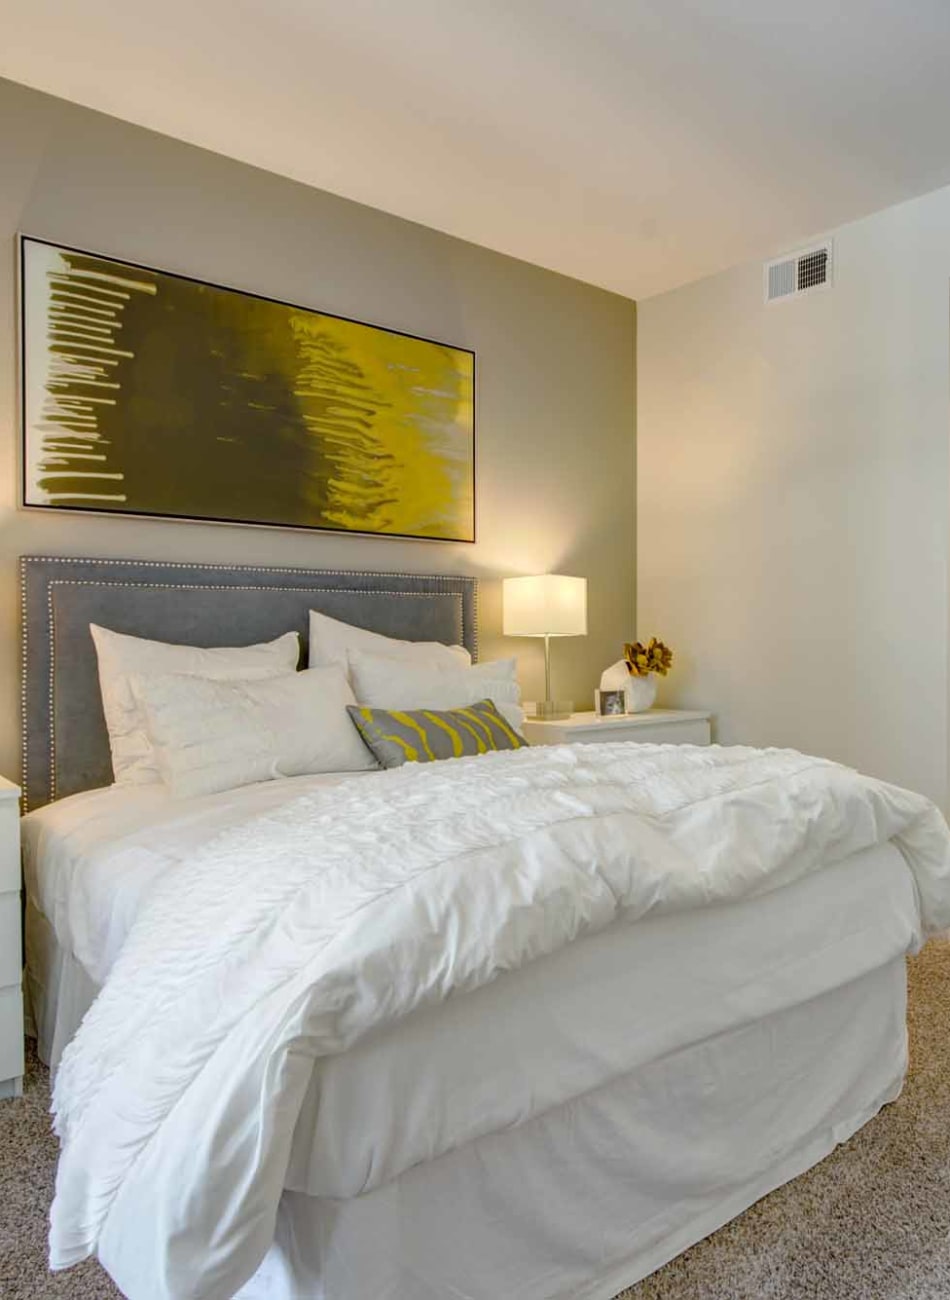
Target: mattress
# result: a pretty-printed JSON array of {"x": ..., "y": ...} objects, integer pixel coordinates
[{"x": 485, "y": 1061}]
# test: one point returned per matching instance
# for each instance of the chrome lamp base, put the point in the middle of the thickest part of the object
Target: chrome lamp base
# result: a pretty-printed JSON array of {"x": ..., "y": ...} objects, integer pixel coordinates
[{"x": 552, "y": 710}]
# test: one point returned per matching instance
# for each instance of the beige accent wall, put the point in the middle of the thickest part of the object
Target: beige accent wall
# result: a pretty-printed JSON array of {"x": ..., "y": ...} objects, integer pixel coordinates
[
  {"x": 556, "y": 370},
  {"x": 794, "y": 507}
]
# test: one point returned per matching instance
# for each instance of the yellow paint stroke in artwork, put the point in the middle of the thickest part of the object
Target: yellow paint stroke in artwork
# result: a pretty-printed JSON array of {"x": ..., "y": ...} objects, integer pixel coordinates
[
  {"x": 394, "y": 417},
  {"x": 94, "y": 329},
  {"x": 61, "y": 457},
  {"x": 93, "y": 347},
  {"x": 84, "y": 305},
  {"x": 85, "y": 496},
  {"x": 94, "y": 289},
  {"x": 108, "y": 277},
  {"x": 98, "y": 308},
  {"x": 88, "y": 322},
  {"x": 102, "y": 401}
]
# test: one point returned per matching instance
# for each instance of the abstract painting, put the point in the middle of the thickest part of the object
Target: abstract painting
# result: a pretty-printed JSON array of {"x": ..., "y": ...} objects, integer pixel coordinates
[{"x": 149, "y": 393}]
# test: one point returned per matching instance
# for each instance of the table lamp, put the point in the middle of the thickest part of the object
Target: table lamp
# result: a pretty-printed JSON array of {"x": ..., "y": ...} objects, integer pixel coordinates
[{"x": 548, "y": 605}]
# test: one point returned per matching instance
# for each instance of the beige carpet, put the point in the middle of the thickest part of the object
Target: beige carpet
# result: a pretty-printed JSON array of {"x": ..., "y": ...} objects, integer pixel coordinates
[{"x": 872, "y": 1222}]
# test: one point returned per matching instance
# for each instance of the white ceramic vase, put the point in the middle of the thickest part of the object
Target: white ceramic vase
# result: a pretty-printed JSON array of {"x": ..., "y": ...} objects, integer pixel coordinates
[
  {"x": 641, "y": 692},
  {"x": 615, "y": 677}
]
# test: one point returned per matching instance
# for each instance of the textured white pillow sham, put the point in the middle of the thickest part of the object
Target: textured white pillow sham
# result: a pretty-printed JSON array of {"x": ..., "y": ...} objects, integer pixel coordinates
[
  {"x": 121, "y": 657},
  {"x": 218, "y": 735},
  {"x": 385, "y": 683},
  {"x": 331, "y": 642}
]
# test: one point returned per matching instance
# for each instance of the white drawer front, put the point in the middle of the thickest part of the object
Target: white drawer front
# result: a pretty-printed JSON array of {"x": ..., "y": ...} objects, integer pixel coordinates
[
  {"x": 693, "y": 731},
  {"x": 602, "y": 736},
  {"x": 670, "y": 733},
  {"x": 10, "y": 958},
  {"x": 660, "y": 733},
  {"x": 9, "y": 844},
  {"x": 11, "y": 1034}
]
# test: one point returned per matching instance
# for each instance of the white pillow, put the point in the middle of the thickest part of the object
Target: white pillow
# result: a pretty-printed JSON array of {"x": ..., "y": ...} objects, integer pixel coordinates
[
  {"x": 385, "y": 683},
  {"x": 215, "y": 735},
  {"x": 121, "y": 657},
  {"x": 331, "y": 642}
]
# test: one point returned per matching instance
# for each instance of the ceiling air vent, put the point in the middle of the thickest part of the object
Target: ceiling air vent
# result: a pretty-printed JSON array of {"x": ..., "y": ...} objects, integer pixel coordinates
[{"x": 798, "y": 273}]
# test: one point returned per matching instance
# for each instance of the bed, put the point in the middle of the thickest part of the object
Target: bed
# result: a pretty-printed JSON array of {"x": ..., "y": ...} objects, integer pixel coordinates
[{"x": 556, "y": 1119}]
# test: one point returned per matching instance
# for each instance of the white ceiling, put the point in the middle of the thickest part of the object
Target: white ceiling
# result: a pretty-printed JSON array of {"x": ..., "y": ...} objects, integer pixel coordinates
[{"x": 635, "y": 144}]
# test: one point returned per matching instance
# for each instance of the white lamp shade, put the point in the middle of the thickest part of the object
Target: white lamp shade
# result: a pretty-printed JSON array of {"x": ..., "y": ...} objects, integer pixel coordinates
[{"x": 548, "y": 605}]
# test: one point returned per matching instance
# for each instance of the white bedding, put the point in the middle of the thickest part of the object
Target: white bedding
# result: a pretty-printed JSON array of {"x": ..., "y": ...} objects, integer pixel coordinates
[
  {"x": 371, "y": 1113},
  {"x": 90, "y": 861},
  {"x": 300, "y": 935},
  {"x": 594, "y": 1011}
]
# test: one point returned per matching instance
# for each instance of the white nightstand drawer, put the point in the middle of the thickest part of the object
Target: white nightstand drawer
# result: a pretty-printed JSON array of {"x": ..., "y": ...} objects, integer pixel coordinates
[
  {"x": 10, "y": 957},
  {"x": 11, "y": 1034},
  {"x": 677, "y": 733},
  {"x": 11, "y": 998},
  {"x": 654, "y": 727},
  {"x": 9, "y": 844}
]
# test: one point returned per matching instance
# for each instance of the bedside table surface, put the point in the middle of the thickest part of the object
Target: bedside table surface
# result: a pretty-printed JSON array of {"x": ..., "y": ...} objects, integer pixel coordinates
[
  {"x": 651, "y": 717},
  {"x": 11, "y": 998}
]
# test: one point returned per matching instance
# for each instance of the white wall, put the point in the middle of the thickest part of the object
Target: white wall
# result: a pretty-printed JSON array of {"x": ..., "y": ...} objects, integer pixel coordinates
[
  {"x": 794, "y": 503},
  {"x": 556, "y": 394}
]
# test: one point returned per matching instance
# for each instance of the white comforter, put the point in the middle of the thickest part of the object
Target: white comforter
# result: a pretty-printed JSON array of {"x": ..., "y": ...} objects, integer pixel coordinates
[{"x": 295, "y": 935}]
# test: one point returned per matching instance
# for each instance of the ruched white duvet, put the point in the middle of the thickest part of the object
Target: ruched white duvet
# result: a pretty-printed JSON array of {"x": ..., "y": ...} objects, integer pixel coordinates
[{"x": 294, "y": 935}]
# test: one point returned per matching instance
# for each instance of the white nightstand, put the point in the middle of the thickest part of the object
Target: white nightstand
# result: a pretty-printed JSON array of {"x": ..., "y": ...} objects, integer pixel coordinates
[
  {"x": 657, "y": 726},
  {"x": 11, "y": 963}
]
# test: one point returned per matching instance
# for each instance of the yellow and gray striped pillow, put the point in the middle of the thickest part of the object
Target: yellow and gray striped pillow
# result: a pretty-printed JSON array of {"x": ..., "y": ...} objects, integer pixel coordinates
[{"x": 398, "y": 736}]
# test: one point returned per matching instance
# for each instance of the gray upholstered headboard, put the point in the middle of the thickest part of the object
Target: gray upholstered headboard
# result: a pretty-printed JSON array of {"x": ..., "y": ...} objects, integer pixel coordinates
[{"x": 65, "y": 745}]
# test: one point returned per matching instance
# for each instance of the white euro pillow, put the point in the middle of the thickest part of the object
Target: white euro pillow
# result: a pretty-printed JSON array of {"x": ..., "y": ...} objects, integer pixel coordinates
[
  {"x": 385, "y": 683},
  {"x": 332, "y": 641},
  {"x": 217, "y": 735},
  {"x": 121, "y": 657}
]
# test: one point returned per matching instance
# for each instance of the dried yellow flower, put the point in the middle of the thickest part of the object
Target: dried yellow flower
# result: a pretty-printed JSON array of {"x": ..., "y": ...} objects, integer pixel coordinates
[{"x": 653, "y": 658}]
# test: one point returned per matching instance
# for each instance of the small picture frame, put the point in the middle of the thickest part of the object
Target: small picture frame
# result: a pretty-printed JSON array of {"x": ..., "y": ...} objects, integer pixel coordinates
[{"x": 611, "y": 704}]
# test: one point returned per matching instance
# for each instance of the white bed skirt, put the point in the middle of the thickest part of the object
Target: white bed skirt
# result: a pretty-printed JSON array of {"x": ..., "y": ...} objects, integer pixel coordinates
[
  {"x": 593, "y": 1195},
  {"x": 58, "y": 989}
]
